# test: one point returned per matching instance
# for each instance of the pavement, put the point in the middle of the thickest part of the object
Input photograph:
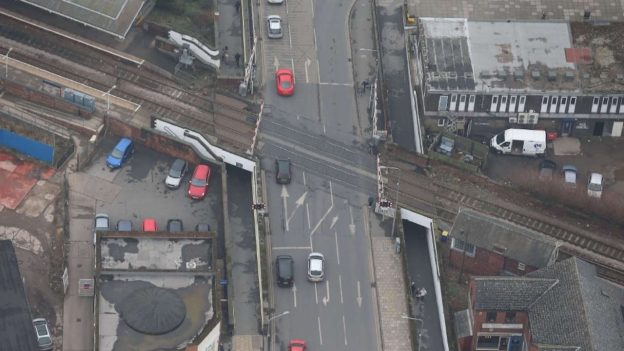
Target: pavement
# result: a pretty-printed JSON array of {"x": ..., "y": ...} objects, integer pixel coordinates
[
  {"x": 22, "y": 175},
  {"x": 396, "y": 86},
  {"x": 518, "y": 9},
  {"x": 230, "y": 35}
]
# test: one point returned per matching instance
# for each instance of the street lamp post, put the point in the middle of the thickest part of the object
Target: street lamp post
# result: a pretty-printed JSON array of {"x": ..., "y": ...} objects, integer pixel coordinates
[
  {"x": 267, "y": 325},
  {"x": 6, "y": 64},
  {"x": 419, "y": 329},
  {"x": 108, "y": 98},
  {"x": 397, "y": 195}
]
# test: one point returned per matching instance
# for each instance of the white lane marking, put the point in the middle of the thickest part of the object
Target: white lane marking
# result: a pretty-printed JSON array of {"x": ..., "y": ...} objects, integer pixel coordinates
[
  {"x": 307, "y": 64},
  {"x": 316, "y": 293},
  {"x": 334, "y": 220},
  {"x": 320, "y": 333},
  {"x": 337, "y": 84},
  {"x": 284, "y": 196},
  {"x": 352, "y": 224},
  {"x": 308, "y": 213},
  {"x": 337, "y": 249},
  {"x": 359, "y": 295},
  {"x": 294, "y": 290},
  {"x": 291, "y": 248},
  {"x": 275, "y": 62},
  {"x": 292, "y": 66},
  {"x": 312, "y": 7},
  {"x": 321, "y": 221},
  {"x": 363, "y": 49},
  {"x": 298, "y": 204},
  {"x": 326, "y": 298},
  {"x": 331, "y": 193},
  {"x": 340, "y": 283},
  {"x": 303, "y": 172},
  {"x": 344, "y": 328}
]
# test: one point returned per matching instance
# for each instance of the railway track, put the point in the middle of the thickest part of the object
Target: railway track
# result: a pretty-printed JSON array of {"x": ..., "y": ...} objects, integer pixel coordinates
[{"x": 161, "y": 96}]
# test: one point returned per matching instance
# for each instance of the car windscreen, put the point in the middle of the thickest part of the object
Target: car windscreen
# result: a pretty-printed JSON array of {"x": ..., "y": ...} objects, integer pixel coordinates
[
  {"x": 594, "y": 187},
  {"x": 198, "y": 182},
  {"x": 176, "y": 169},
  {"x": 117, "y": 153},
  {"x": 45, "y": 340},
  {"x": 500, "y": 138}
]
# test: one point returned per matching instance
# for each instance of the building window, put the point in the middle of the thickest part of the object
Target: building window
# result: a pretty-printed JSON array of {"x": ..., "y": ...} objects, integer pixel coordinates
[
  {"x": 521, "y": 266},
  {"x": 490, "y": 317},
  {"x": 441, "y": 122},
  {"x": 488, "y": 342},
  {"x": 510, "y": 317},
  {"x": 463, "y": 246}
]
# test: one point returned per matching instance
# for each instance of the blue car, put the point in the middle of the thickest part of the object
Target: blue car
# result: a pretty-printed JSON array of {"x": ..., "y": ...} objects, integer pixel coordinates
[{"x": 120, "y": 154}]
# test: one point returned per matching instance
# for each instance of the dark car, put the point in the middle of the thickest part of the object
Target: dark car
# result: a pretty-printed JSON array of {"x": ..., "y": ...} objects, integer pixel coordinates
[
  {"x": 284, "y": 268},
  {"x": 176, "y": 173},
  {"x": 202, "y": 227},
  {"x": 175, "y": 226},
  {"x": 283, "y": 171},
  {"x": 124, "y": 225},
  {"x": 547, "y": 170},
  {"x": 120, "y": 154}
]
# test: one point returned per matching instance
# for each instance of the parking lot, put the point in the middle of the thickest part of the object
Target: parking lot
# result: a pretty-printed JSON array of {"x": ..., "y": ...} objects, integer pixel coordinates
[{"x": 143, "y": 194}]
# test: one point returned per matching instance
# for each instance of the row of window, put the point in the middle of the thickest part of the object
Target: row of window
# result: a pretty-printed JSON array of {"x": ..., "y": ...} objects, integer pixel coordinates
[
  {"x": 510, "y": 317},
  {"x": 495, "y": 106},
  {"x": 457, "y": 103},
  {"x": 607, "y": 104}
]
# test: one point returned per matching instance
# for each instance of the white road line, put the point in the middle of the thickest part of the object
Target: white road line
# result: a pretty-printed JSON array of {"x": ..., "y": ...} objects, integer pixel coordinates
[
  {"x": 333, "y": 223},
  {"x": 294, "y": 290},
  {"x": 303, "y": 172},
  {"x": 320, "y": 332},
  {"x": 292, "y": 66},
  {"x": 291, "y": 248},
  {"x": 312, "y": 7},
  {"x": 321, "y": 221},
  {"x": 316, "y": 293},
  {"x": 337, "y": 84},
  {"x": 340, "y": 284},
  {"x": 363, "y": 49},
  {"x": 338, "y": 256},
  {"x": 352, "y": 224},
  {"x": 285, "y": 203},
  {"x": 331, "y": 193},
  {"x": 344, "y": 328},
  {"x": 359, "y": 295},
  {"x": 326, "y": 297},
  {"x": 308, "y": 213}
]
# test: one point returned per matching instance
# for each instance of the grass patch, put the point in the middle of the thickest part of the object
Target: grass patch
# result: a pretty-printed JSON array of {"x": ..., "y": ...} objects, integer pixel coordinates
[{"x": 191, "y": 17}]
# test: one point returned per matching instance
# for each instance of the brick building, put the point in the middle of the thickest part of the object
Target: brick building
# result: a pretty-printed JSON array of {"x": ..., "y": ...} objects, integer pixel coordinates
[
  {"x": 484, "y": 245},
  {"x": 565, "y": 306}
]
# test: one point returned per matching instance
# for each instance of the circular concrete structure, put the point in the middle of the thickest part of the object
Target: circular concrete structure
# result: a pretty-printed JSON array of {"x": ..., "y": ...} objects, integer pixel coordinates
[{"x": 153, "y": 311}]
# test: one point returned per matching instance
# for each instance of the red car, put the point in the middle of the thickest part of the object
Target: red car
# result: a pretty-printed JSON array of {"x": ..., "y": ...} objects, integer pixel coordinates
[
  {"x": 199, "y": 183},
  {"x": 150, "y": 225},
  {"x": 285, "y": 82},
  {"x": 296, "y": 345}
]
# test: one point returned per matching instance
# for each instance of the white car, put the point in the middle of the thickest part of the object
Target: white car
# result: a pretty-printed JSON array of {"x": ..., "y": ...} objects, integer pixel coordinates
[
  {"x": 44, "y": 339},
  {"x": 100, "y": 224},
  {"x": 176, "y": 173},
  {"x": 274, "y": 27},
  {"x": 569, "y": 176},
  {"x": 275, "y": 2},
  {"x": 316, "y": 267},
  {"x": 594, "y": 185}
]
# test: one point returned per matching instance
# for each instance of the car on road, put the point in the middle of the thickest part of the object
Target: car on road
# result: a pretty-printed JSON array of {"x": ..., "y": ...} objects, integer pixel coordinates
[
  {"x": 44, "y": 339},
  {"x": 569, "y": 176},
  {"x": 120, "y": 154},
  {"x": 595, "y": 185},
  {"x": 316, "y": 267},
  {"x": 274, "y": 27},
  {"x": 175, "y": 226},
  {"x": 199, "y": 182},
  {"x": 275, "y": 2},
  {"x": 150, "y": 225},
  {"x": 296, "y": 345},
  {"x": 124, "y": 225},
  {"x": 547, "y": 170},
  {"x": 101, "y": 223},
  {"x": 285, "y": 270},
  {"x": 283, "y": 171},
  {"x": 284, "y": 82},
  {"x": 202, "y": 227},
  {"x": 176, "y": 172}
]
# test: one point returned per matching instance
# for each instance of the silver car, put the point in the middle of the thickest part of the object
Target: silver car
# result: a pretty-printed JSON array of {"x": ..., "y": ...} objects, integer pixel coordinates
[
  {"x": 100, "y": 224},
  {"x": 316, "y": 267},
  {"x": 44, "y": 339},
  {"x": 274, "y": 27}
]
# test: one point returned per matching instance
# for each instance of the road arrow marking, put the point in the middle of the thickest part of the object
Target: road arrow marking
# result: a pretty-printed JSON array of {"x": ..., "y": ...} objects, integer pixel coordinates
[
  {"x": 307, "y": 64},
  {"x": 284, "y": 199},
  {"x": 294, "y": 290},
  {"x": 326, "y": 298},
  {"x": 359, "y": 295},
  {"x": 275, "y": 62},
  {"x": 298, "y": 204},
  {"x": 316, "y": 227},
  {"x": 334, "y": 220},
  {"x": 352, "y": 225},
  {"x": 340, "y": 283},
  {"x": 337, "y": 250}
]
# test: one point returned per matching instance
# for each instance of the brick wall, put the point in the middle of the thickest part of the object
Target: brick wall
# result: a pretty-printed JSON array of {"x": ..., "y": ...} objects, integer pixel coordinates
[
  {"x": 44, "y": 99},
  {"x": 484, "y": 262}
]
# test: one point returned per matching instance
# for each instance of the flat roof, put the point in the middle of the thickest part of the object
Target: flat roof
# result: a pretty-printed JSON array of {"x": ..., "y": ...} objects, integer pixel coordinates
[
  {"x": 114, "y": 17},
  {"x": 462, "y": 54},
  {"x": 17, "y": 331}
]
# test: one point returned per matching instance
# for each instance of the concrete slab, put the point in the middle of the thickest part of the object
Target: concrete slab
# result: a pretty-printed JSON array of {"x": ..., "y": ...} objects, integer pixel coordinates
[
  {"x": 39, "y": 198},
  {"x": 17, "y": 178},
  {"x": 566, "y": 146}
]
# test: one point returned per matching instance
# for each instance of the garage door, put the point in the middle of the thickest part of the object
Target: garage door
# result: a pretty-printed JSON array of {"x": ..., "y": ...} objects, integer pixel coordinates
[{"x": 617, "y": 129}]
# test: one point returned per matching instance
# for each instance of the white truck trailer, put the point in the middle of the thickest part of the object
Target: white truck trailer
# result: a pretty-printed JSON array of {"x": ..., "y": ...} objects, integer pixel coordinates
[{"x": 520, "y": 142}]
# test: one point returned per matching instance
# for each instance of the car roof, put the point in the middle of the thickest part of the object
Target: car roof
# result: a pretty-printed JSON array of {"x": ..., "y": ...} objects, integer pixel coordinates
[
  {"x": 124, "y": 224},
  {"x": 178, "y": 164},
  {"x": 201, "y": 171},
  {"x": 595, "y": 178},
  {"x": 123, "y": 143}
]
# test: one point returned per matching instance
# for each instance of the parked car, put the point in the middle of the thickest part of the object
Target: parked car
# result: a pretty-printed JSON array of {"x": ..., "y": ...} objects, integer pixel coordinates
[
  {"x": 120, "y": 154},
  {"x": 175, "y": 226},
  {"x": 296, "y": 345},
  {"x": 284, "y": 269},
  {"x": 176, "y": 173},
  {"x": 199, "y": 182},
  {"x": 283, "y": 171},
  {"x": 202, "y": 227},
  {"x": 124, "y": 225},
  {"x": 44, "y": 338},
  {"x": 275, "y": 2},
  {"x": 547, "y": 170},
  {"x": 595, "y": 185},
  {"x": 316, "y": 267},
  {"x": 569, "y": 176},
  {"x": 150, "y": 225},
  {"x": 101, "y": 223},
  {"x": 274, "y": 27},
  {"x": 284, "y": 82}
]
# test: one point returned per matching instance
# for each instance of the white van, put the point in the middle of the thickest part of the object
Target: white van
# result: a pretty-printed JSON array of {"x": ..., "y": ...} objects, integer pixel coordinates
[{"x": 520, "y": 142}]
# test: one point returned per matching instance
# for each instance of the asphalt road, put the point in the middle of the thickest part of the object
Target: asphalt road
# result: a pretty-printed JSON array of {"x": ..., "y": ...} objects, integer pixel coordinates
[{"x": 323, "y": 208}]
